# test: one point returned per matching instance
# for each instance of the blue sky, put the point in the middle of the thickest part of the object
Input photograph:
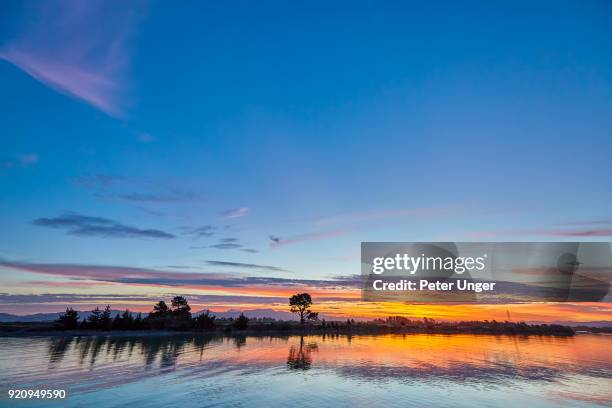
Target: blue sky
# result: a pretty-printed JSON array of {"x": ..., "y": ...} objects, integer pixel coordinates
[{"x": 320, "y": 125}]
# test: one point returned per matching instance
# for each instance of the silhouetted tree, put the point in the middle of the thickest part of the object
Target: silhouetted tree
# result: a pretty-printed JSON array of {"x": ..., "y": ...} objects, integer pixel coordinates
[
  {"x": 123, "y": 321},
  {"x": 312, "y": 315},
  {"x": 241, "y": 322},
  {"x": 205, "y": 321},
  {"x": 93, "y": 321},
  {"x": 68, "y": 320},
  {"x": 180, "y": 307},
  {"x": 300, "y": 304},
  {"x": 138, "y": 322},
  {"x": 160, "y": 309},
  {"x": 106, "y": 318}
]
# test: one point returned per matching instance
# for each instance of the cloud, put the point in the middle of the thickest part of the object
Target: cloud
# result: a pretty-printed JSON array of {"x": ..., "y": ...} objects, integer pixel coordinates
[
  {"x": 78, "y": 48},
  {"x": 378, "y": 215},
  {"x": 235, "y": 212},
  {"x": 225, "y": 245},
  {"x": 64, "y": 298},
  {"x": 28, "y": 159},
  {"x": 590, "y": 222},
  {"x": 174, "y": 196},
  {"x": 135, "y": 190},
  {"x": 245, "y": 265},
  {"x": 203, "y": 231},
  {"x": 583, "y": 233},
  {"x": 83, "y": 225},
  {"x": 24, "y": 160},
  {"x": 576, "y": 232},
  {"x": 101, "y": 181},
  {"x": 317, "y": 236},
  {"x": 153, "y": 277},
  {"x": 146, "y": 138}
]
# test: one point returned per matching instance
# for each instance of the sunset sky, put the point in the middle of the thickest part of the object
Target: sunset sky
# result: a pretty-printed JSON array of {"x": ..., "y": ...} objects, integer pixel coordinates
[{"x": 240, "y": 152}]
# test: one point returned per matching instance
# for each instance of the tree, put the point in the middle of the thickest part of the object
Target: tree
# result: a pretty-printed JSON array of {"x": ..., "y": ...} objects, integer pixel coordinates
[
  {"x": 68, "y": 320},
  {"x": 312, "y": 315},
  {"x": 127, "y": 319},
  {"x": 300, "y": 304},
  {"x": 123, "y": 321},
  {"x": 241, "y": 322},
  {"x": 106, "y": 318},
  {"x": 93, "y": 321},
  {"x": 205, "y": 321},
  {"x": 160, "y": 309},
  {"x": 180, "y": 307},
  {"x": 137, "y": 322}
]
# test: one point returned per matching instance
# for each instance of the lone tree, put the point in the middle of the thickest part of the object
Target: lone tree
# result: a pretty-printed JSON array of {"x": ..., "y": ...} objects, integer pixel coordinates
[
  {"x": 68, "y": 320},
  {"x": 300, "y": 304}
]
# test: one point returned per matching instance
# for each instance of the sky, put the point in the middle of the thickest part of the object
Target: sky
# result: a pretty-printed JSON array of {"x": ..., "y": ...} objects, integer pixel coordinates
[{"x": 240, "y": 152}]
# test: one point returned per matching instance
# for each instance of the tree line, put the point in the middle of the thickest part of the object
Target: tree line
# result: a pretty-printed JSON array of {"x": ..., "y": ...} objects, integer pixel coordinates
[{"x": 176, "y": 316}]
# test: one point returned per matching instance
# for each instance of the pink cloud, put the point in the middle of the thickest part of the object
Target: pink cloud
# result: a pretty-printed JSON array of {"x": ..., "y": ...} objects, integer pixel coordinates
[
  {"x": 378, "y": 215},
  {"x": 24, "y": 160},
  {"x": 235, "y": 212},
  {"x": 591, "y": 232},
  {"x": 76, "y": 48},
  {"x": 28, "y": 159}
]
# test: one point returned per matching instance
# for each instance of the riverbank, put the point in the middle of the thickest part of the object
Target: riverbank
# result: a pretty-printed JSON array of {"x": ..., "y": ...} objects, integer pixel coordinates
[{"x": 293, "y": 328}]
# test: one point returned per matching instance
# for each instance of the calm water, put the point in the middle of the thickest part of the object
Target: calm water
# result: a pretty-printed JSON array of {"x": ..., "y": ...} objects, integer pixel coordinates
[{"x": 313, "y": 371}]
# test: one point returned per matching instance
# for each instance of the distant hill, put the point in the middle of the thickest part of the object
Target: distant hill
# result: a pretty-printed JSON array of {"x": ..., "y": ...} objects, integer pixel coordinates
[
  {"x": 597, "y": 323},
  {"x": 253, "y": 314},
  {"x": 600, "y": 323},
  {"x": 43, "y": 317}
]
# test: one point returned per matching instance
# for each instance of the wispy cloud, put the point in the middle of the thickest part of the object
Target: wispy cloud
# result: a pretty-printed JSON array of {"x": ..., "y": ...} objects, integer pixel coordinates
[
  {"x": 135, "y": 190},
  {"x": 24, "y": 160},
  {"x": 153, "y": 277},
  {"x": 378, "y": 215},
  {"x": 173, "y": 197},
  {"x": 590, "y": 222},
  {"x": 199, "y": 232},
  {"x": 146, "y": 138},
  {"x": 77, "y": 224},
  {"x": 101, "y": 181},
  {"x": 78, "y": 48},
  {"x": 246, "y": 266},
  {"x": 296, "y": 239},
  {"x": 235, "y": 212},
  {"x": 225, "y": 245},
  {"x": 576, "y": 232}
]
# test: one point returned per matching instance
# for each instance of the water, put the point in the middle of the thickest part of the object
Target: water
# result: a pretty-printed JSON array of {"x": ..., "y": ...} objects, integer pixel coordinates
[{"x": 312, "y": 371}]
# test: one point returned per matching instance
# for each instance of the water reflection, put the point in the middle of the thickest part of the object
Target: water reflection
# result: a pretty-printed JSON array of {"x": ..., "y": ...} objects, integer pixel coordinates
[
  {"x": 300, "y": 358},
  {"x": 57, "y": 349},
  {"x": 456, "y": 357},
  {"x": 213, "y": 364}
]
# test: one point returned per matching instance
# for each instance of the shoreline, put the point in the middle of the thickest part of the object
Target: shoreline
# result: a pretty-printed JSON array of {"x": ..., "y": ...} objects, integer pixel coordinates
[{"x": 270, "y": 333}]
